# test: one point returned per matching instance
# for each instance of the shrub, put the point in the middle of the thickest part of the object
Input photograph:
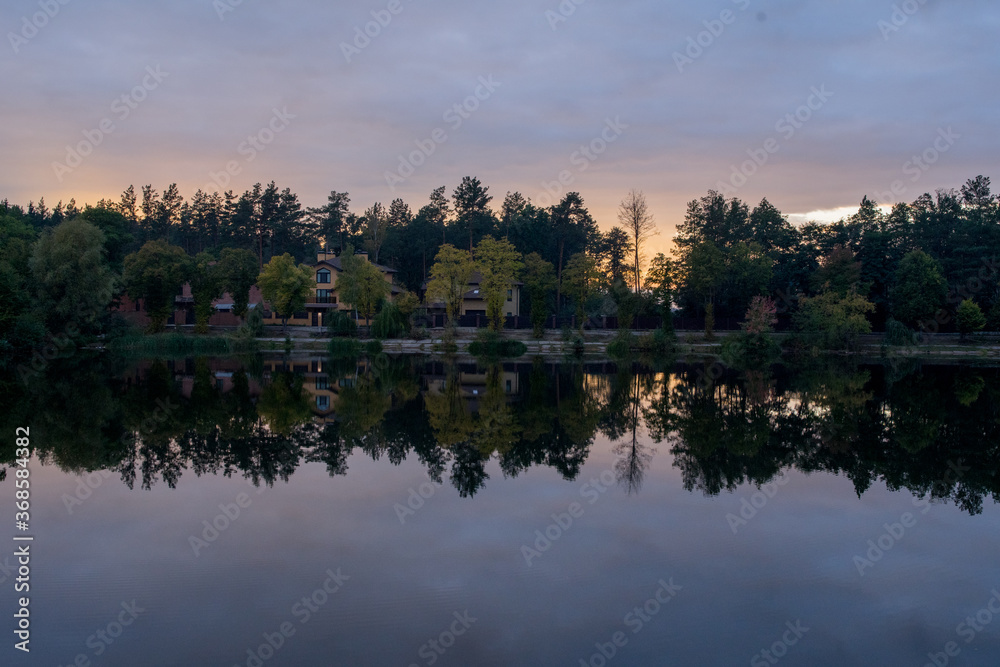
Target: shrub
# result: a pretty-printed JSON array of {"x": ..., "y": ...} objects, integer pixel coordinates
[
  {"x": 491, "y": 345},
  {"x": 754, "y": 346},
  {"x": 389, "y": 323},
  {"x": 340, "y": 324},
  {"x": 253, "y": 325},
  {"x": 897, "y": 333},
  {"x": 969, "y": 317},
  {"x": 621, "y": 346}
]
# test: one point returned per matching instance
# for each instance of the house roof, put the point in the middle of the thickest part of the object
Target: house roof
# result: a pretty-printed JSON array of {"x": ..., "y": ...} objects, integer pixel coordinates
[{"x": 334, "y": 262}]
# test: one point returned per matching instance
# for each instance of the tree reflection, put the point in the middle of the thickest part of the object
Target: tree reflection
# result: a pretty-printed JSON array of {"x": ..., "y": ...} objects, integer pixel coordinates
[{"x": 930, "y": 429}]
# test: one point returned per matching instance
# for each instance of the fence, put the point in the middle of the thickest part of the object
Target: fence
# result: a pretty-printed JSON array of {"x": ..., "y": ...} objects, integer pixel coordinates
[{"x": 438, "y": 320}]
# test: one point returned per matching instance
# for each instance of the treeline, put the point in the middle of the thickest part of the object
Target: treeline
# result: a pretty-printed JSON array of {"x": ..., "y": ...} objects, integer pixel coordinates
[
  {"x": 915, "y": 264},
  {"x": 929, "y": 265}
]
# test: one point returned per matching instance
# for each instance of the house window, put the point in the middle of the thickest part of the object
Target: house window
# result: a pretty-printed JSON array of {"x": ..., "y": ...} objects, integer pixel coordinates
[
  {"x": 323, "y": 296},
  {"x": 322, "y": 383},
  {"x": 510, "y": 295},
  {"x": 323, "y": 277},
  {"x": 323, "y": 402},
  {"x": 508, "y": 386}
]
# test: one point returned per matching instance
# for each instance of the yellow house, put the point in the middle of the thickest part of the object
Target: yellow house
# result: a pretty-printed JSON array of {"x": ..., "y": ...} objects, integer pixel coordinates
[
  {"x": 324, "y": 297},
  {"x": 474, "y": 302}
]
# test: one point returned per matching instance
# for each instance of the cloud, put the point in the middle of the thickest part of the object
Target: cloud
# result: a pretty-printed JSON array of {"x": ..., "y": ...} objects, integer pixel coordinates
[{"x": 687, "y": 129}]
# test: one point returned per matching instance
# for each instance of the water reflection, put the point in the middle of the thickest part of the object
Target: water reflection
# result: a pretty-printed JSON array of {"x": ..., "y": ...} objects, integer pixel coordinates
[{"x": 260, "y": 418}]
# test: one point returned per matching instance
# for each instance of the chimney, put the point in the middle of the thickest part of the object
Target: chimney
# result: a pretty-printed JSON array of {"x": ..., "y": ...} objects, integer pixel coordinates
[
  {"x": 323, "y": 255},
  {"x": 363, "y": 255}
]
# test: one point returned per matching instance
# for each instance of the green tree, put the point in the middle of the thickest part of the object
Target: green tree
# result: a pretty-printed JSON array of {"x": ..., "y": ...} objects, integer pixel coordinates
[
  {"x": 919, "y": 290},
  {"x": 19, "y": 325},
  {"x": 156, "y": 274},
  {"x": 361, "y": 285},
  {"x": 450, "y": 279},
  {"x": 237, "y": 270},
  {"x": 73, "y": 282},
  {"x": 838, "y": 272},
  {"x": 499, "y": 263},
  {"x": 539, "y": 283},
  {"x": 615, "y": 250},
  {"x": 206, "y": 286},
  {"x": 580, "y": 280},
  {"x": 704, "y": 268},
  {"x": 472, "y": 213},
  {"x": 376, "y": 227},
  {"x": 660, "y": 283},
  {"x": 969, "y": 317},
  {"x": 835, "y": 320},
  {"x": 286, "y": 286},
  {"x": 116, "y": 235}
]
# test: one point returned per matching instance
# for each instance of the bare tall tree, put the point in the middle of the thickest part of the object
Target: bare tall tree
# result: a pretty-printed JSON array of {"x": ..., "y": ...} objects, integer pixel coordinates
[{"x": 634, "y": 215}]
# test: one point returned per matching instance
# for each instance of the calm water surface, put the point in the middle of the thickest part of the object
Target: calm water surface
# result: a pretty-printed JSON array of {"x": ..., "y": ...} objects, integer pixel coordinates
[{"x": 408, "y": 512}]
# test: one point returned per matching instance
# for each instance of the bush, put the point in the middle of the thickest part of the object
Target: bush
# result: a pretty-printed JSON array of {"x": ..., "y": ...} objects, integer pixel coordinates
[
  {"x": 373, "y": 348},
  {"x": 340, "y": 325},
  {"x": 491, "y": 345},
  {"x": 621, "y": 346},
  {"x": 969, "y": 317},
  {"x": 390, "y": 322},
  {"x": 897, "y": 333},
  {"x": 253, "y": 325}
]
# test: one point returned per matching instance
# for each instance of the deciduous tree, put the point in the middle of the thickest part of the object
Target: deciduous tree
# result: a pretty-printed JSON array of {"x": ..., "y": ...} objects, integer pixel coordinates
[
  {"x": 156, "y": 274},
  {"x": 499, "y": 263},
  {"x": 286, "y": 286}
]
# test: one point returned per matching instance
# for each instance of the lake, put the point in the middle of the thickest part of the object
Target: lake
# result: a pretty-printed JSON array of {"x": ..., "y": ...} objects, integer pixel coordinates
[{"x": 415, "y": 511}]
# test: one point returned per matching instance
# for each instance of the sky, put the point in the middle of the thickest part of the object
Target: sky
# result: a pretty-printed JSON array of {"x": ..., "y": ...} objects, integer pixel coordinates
[{"x": 811, "y": 104}]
